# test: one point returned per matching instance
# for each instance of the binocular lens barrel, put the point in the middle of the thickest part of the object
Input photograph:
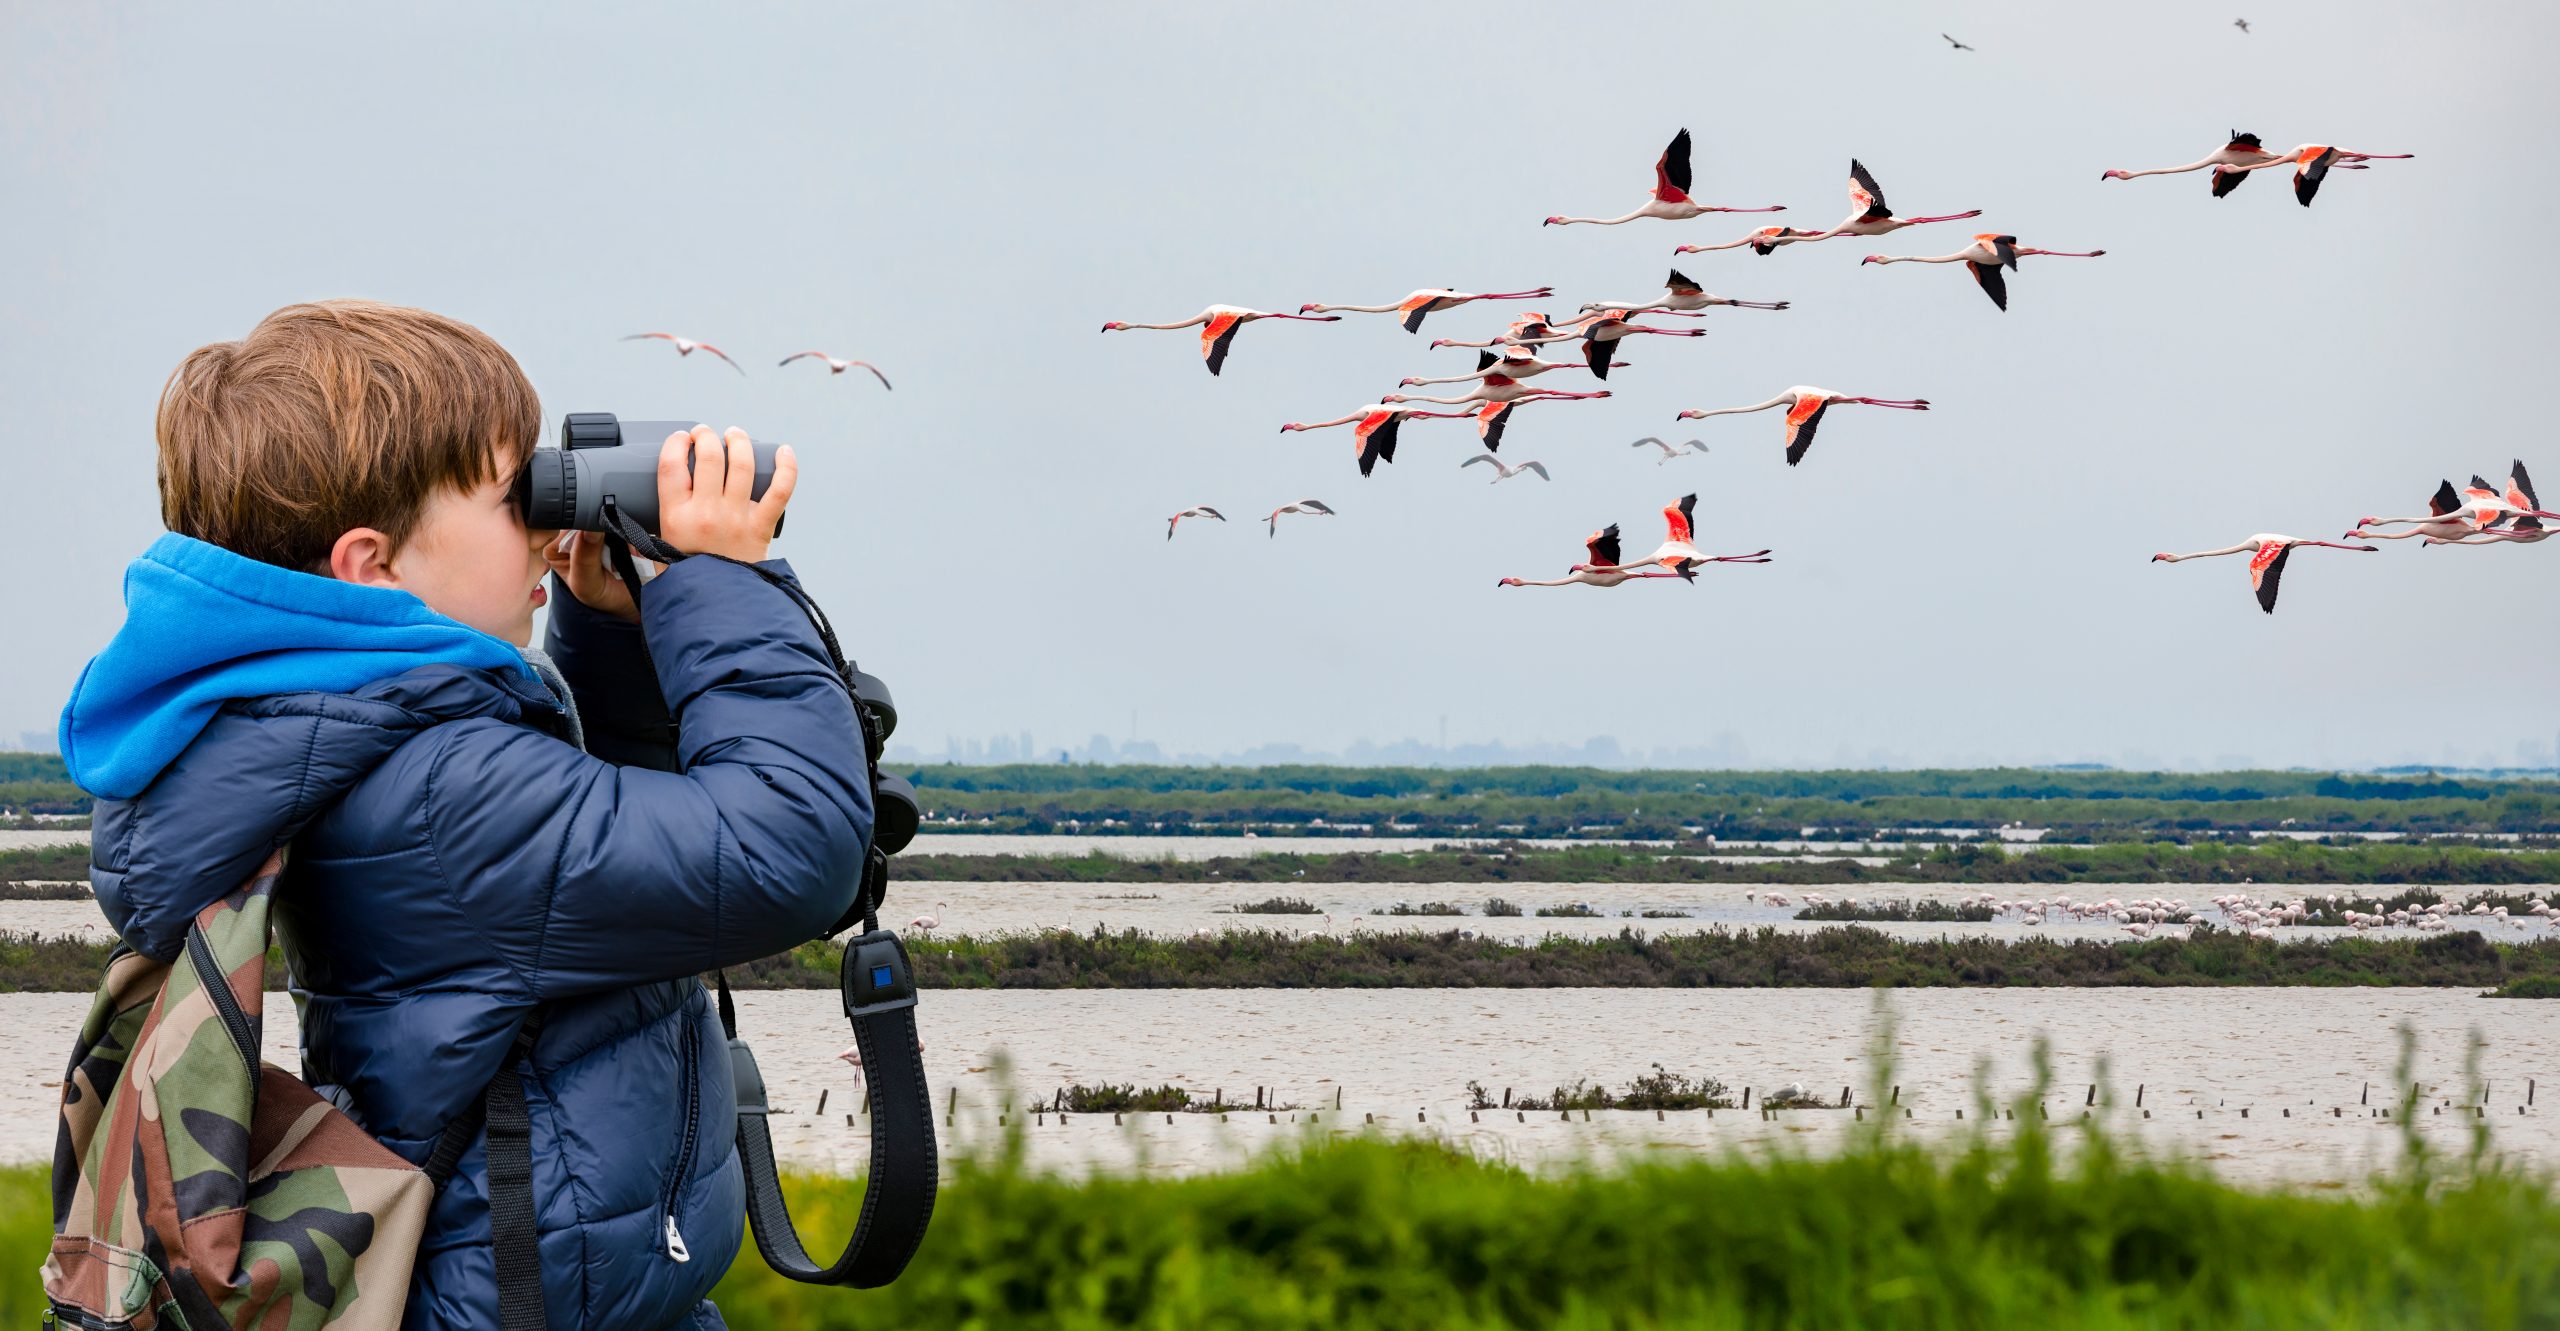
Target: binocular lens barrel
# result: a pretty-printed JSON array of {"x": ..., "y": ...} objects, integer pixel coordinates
[{"x": 600, "y": 458}]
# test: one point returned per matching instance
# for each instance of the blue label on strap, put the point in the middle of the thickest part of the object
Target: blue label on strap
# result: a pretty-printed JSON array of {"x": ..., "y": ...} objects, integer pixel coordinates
[{"x": 881, "y": 978}]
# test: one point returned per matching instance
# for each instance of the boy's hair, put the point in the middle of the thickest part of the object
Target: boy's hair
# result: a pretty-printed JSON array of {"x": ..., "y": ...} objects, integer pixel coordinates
[{"x": 334, "y": 415}]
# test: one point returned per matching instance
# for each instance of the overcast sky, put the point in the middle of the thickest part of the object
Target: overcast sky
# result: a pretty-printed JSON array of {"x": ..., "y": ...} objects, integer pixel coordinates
[{"x": 963, "y": 193}]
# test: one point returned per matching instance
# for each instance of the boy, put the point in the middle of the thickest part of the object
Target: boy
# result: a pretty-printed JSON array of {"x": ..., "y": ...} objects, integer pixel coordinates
[{"x": 325, "y": 650}]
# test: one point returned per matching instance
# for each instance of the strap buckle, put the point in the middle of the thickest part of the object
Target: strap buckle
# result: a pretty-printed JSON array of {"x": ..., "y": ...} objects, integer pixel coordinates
[{"x": 876, "y": 977}]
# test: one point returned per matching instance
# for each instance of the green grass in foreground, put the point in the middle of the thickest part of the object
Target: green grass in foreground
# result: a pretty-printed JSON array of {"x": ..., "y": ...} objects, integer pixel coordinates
[{"x": 1405, "y": 1237}]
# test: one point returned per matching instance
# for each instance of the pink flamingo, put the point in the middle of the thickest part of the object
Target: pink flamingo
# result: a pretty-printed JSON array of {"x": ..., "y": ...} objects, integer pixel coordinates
[
  {"x": 1374, "y": 427},
  {"x": 1805, "y": 406},
  {"x": 835, "y": 366},
  {"x": 1679, "y": 296},
  {"x": 1430, "y": 300},
  {"x": 1986, "y": 256},
  {"x": 2445, "y": 523},
  {"x": 1679, "y": 551},
  {"x": 2312, "y": 163},
  {"x": 1515, "y": 363},
  {"x": 1601, "y": 570},
  {"x": 2242, "y": 150},
  {"x": 686, "y": 346},
  {"x": 1670, "y": 201},
  {"x": 1218, "y": 325},
  {"x": 1495, "y": 417},
  {"x": 1763, "y": 242},
  {"x": 2267, "y": 555},
  {"x": 1529, "y": 330},
  {"x": 1203, "y": 511},
  {"x": 1601, "y": 339},
  {"x": 1873, "y": 217}
]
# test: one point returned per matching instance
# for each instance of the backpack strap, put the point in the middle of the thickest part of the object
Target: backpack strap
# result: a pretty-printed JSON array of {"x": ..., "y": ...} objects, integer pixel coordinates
[{"x": 514, "y": 1245}]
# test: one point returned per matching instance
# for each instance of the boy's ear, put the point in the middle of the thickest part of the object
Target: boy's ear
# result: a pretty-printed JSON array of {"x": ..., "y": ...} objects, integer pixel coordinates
[{"x": 362, "y": 555}]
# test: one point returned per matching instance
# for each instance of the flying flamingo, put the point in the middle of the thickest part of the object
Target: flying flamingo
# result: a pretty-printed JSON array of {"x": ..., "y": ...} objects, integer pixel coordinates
[
  {"x": 2489, "y": 505},
  {"x": 1309, "y": 507},
  {"x": 1514, "y": 363},
  {"x": 1601, "y": 339},
  {"x": 1763, "y": 242},
  {"x": 1873, "y": 217},
  {"x": 1495, "y": 417},
  {"x": 1218, "y": 325},
  {"x": 1679, "y": 296},
  {"x": 1670, "y": 201},
  {"x": 1374, "y": 429},
  {"x": 1805, "y": 407},
  {"x": 1529, "y": 330},
  {"x": 1679, "y": 551},
  {"x": 2242, "y": 150},
  {"x": 1600, "y": 571},
  {"x": 1203, "y": 511},
  {"x": 2445, "y": 523},
  {"x": 1668, "y": 452},
  {"x": 686, "y": 346},
  {"x": 1491, "y": 388},
  {"x": 836, "y": 367},
  {"x": 1431, "y": 300},
  {"x": 1504, "y": 471},
  {"x": 2522, "y": 519},
  {"x": 2267, "y": 555},
  {"x": 1987, "y": 255},
  {"x": 2312, "y": 163}
]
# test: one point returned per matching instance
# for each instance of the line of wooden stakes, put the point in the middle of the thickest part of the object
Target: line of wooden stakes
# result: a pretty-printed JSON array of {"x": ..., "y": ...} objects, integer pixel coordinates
[{"x": 1266, "y": 1102}]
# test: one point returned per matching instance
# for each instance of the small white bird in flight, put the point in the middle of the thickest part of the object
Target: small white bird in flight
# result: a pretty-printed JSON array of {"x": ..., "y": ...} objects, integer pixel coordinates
[
  {"x": 1203, "y": 511},
  {"x": 1668, "y": 452},
  {"x": 835, "y": 366},
  {"x": 1503, "y": 471},
  {"x": 686, "y": 346},
  {"x": 1310, "y": 506}
]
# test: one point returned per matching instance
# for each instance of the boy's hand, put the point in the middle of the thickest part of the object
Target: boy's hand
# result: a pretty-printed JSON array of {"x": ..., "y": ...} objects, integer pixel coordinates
[
  {"x": 708, "y": 509},
  {"x": 578, "y": 558}
]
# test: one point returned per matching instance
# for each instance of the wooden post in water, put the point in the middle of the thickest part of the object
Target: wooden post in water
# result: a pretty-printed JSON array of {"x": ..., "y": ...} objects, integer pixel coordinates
[
  {"x": 822, "y": 1099},
  {"x": 1337, "y": 1096},
  {"x": 1897, "y": 1095},
  {"x": 2137, "y": 1095},
  {"x": 2367, "y": 1097},
  {"x": 1219, "y": 1100},
  {"x": 1746, "y": 1097},
  {"x": 2093, "y": 1094},
  {"x": 1844, "y": 1097}
]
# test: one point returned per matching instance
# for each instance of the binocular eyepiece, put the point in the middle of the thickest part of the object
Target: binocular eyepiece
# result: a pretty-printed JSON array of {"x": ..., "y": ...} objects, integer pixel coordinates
[{"x": 599, "y": 459}]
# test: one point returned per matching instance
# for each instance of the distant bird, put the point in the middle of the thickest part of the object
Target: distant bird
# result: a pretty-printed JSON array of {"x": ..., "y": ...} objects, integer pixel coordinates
[
  {"x": 1529, "y": 330},
  {"x": 1956, "y": 44},
  {"x": 2241, "y": 23},
  {"x": 1218, "y": 325},
  {"x": 1805, "y": 407},
  {"x": 1514, "y": 363},
  {"x": 1679, "y": 296},
  {"x": 1374, "y": 429},
  {"x": 2312, "y": 163},
  {"x": 2240, "y": 150},
  {"x": 1986, "y": 256},
  {"x": 1679, "y": 551},
  {"x": 1495, "y": 417},
  {"x": 1670, "y": 201},
  {"x": 1306, "y": 506},
  {"x": 2267, "y": 555},
  {"x": 686, "y": 346},
  {"x": 1492, "y": 386},
  {"x": 1600, "y": 570},
  {"x": 2446, "y": 521},
  {"x": 1430, "y": 300},
  {"x": 836, "y": 367},
  {"x": 1763, "y": 242},
  {"x": 1504, "y": 471},
  {"x": 1871, "y": 216},
  {"x": 926, "y": 923},
  {"x": 1600, "y": 340},
  {"x": 1203, "y": 511},
  {"x": 1668, "y": 452}
]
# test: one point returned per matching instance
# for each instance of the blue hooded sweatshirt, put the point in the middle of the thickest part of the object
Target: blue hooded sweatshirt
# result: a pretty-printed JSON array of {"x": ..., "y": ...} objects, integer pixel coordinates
[{"x": 457, "y": 863}]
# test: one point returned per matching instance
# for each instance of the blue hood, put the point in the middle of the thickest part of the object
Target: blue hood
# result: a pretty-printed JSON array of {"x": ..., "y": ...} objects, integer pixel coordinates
[{"x": 204, "y": 626}]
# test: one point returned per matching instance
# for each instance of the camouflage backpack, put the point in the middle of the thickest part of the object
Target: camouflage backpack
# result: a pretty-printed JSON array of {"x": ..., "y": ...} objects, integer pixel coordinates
[{"x": 194, "y": 1187}]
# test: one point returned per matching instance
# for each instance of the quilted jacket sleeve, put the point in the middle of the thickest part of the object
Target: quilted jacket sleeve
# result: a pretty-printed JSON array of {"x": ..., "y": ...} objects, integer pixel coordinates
[
  {"x": 626, "y": 719},
  {"x": 585, "y": 875}
]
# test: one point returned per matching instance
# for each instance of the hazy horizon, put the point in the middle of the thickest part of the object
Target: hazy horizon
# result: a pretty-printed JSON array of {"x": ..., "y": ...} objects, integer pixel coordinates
[{"x": 963, "y": 193}]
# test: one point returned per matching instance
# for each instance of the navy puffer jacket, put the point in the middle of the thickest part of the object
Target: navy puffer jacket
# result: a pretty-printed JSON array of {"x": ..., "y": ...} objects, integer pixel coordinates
[{"x": 456, "y": 863}]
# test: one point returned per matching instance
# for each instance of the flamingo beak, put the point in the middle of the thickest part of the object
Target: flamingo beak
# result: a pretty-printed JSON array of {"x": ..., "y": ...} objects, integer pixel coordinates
[
  {"x": 1308, "y": 308},
  {"x": 2161, "y": 558}
]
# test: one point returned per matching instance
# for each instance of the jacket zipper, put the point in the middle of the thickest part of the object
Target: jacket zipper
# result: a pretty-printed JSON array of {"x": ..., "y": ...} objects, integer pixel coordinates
[
  {"x": 689, "y": 1059},
  {"x": 226, "y": 1005}
]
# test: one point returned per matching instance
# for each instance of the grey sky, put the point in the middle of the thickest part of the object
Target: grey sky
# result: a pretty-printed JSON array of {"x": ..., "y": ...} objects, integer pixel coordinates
[{"x": 963, "y": 193}]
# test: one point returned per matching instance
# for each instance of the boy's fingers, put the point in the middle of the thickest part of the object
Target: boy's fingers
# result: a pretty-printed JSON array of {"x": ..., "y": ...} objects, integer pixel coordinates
[
  {"x": 709, "y": 451},
  {"x": 671, "y": 460},
  {"x": 786, "y": 474},
  {"x": 741, "y": 480}
]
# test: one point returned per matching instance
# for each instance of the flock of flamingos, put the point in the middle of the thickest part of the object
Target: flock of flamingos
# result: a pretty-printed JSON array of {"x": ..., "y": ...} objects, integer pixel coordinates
[{"x": 2482, "y": 513}]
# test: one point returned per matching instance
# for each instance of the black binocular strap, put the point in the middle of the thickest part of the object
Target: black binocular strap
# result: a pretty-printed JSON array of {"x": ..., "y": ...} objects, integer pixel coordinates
[
  {"x": 898, "y": 1195},
  {"x": 514, "y": 1244}
]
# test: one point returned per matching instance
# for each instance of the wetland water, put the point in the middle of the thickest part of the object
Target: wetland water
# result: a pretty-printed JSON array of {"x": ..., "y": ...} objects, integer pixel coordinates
[{"x": 1394, "y": 1054}]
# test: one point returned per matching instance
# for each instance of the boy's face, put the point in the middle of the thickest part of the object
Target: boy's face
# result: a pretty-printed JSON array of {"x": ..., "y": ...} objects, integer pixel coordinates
[{"x": 470, "y": 557}]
